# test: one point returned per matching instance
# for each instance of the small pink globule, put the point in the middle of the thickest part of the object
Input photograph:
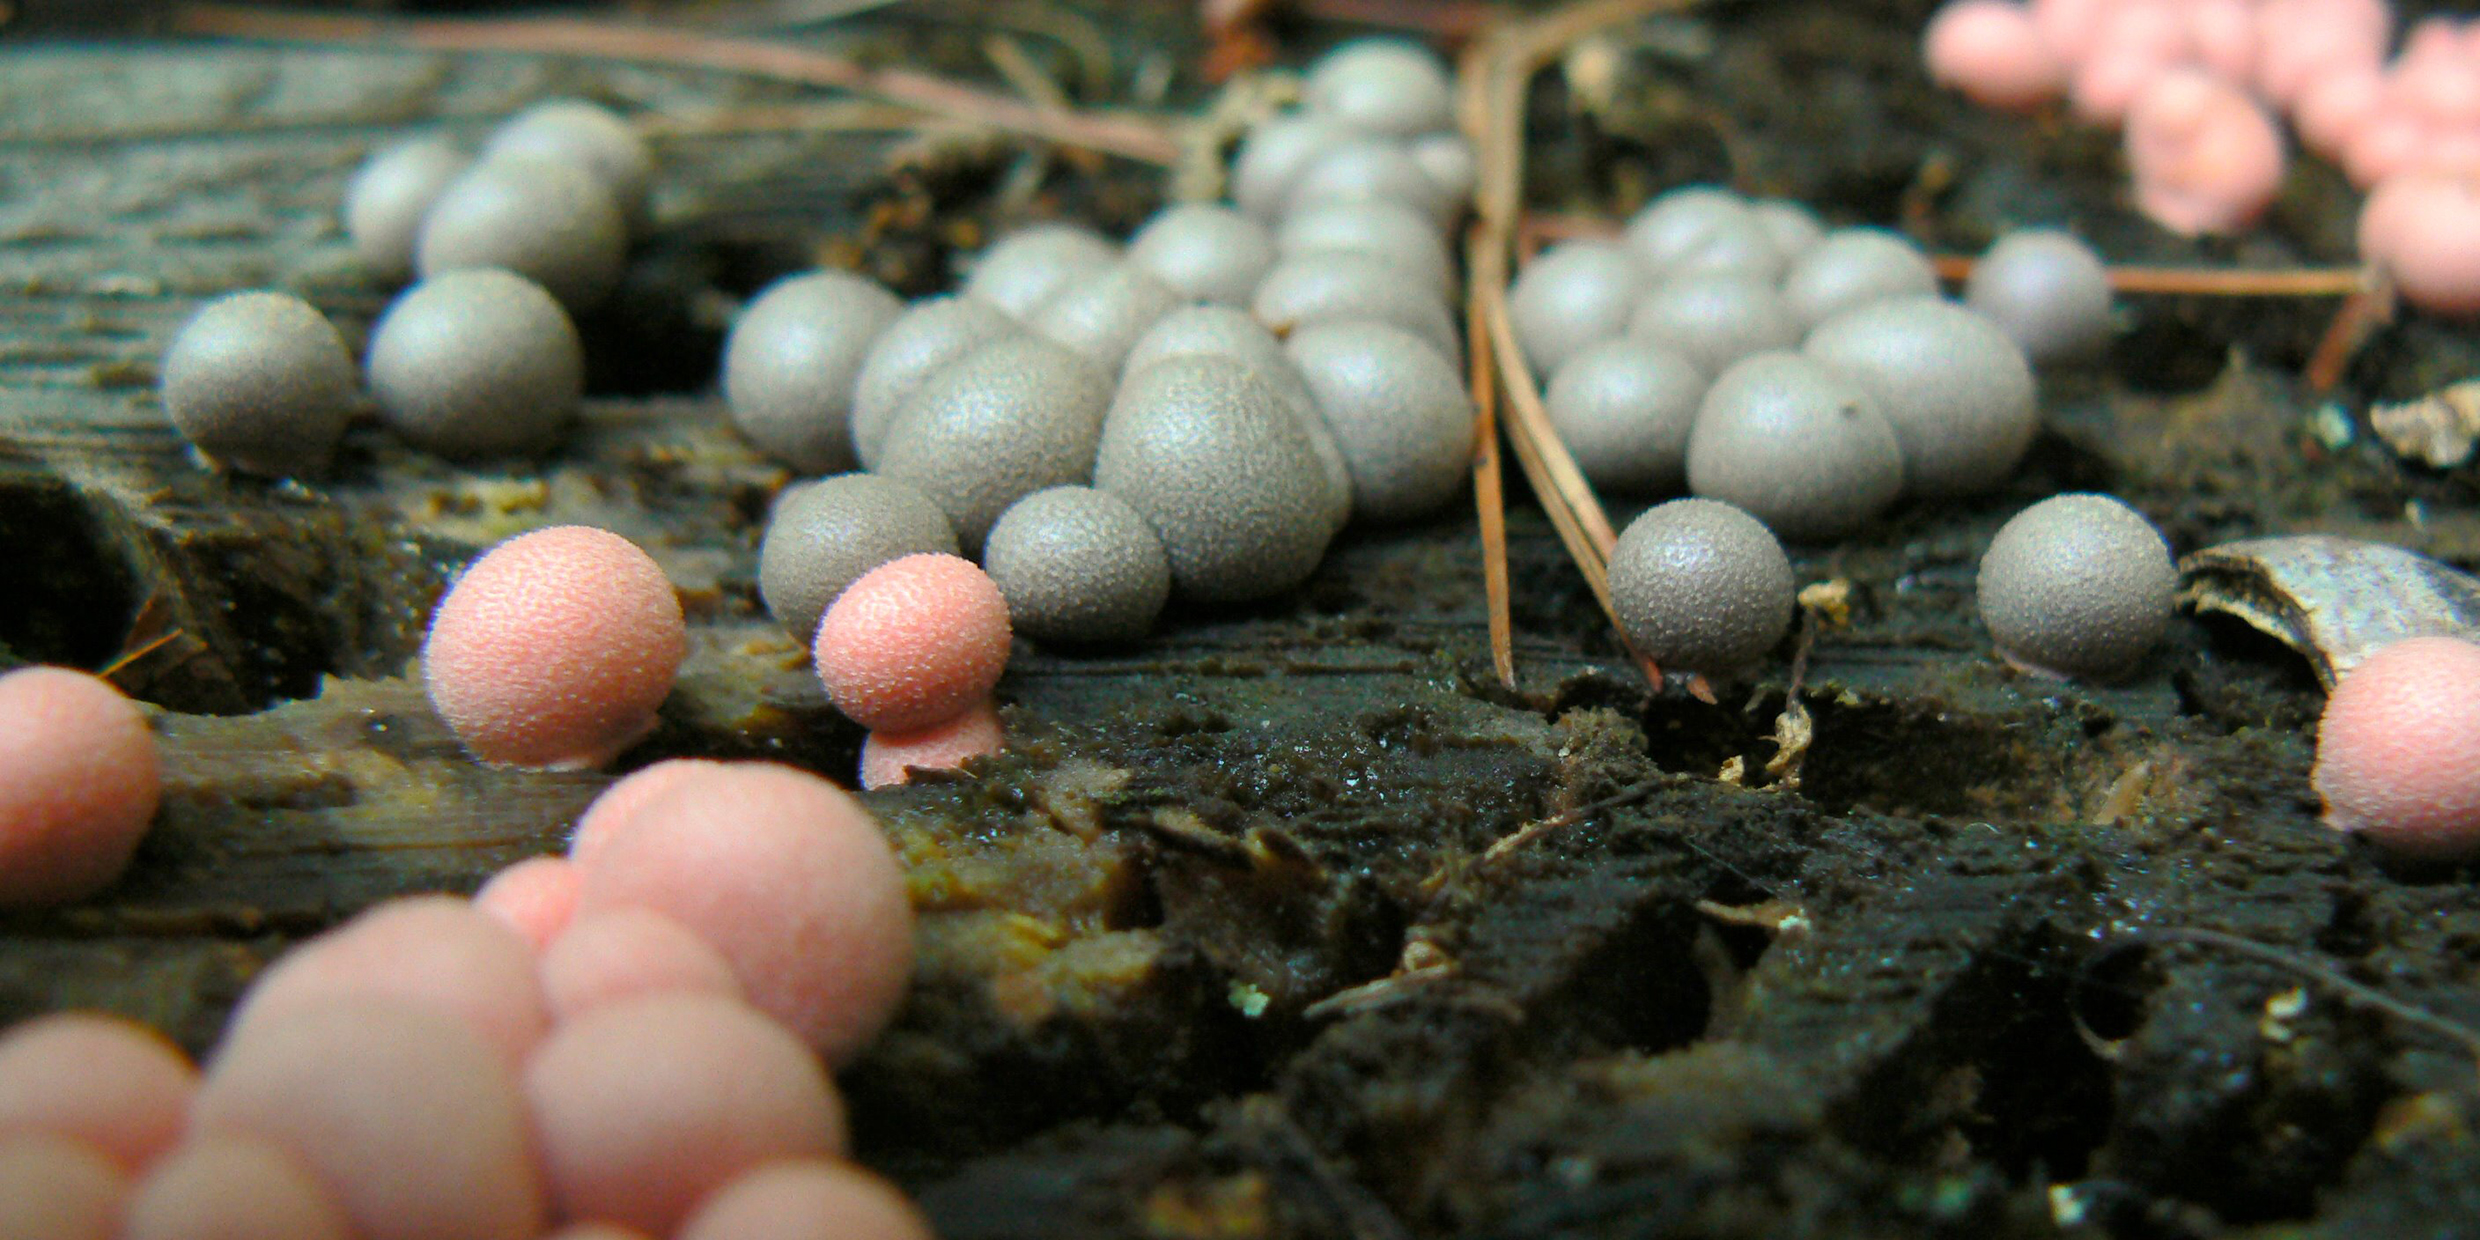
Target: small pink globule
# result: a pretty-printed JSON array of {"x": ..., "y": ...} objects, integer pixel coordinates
[
  {"x": 535, "y": 897},
  {"x": 2332, "y": 110},
  {"x": 233, "y": 1188},
  {"x": 806, "y": 1199},
  {"x": 2222, "y": 36},
  {"x": 114, "y": 1084},
  {"x": 628, "y": 953},
  {"x": 2422, "y": 230},
  {"x": 2388, "y": 142},
  {"x": 1991, "y": 51},
  {"x": 913, "y": 642},
  {"x": 555, "y": 648},
  {"x": 888, "y": 759},
  {"x": 2398, "y": 749},
  {"x": 79, "y": 783},
  {"x": 620, "y": 802},
  {"x": 2206, "y": 158},
  {"x": 56, "y": 1188},
  {"x": 2134, "y": 44},
  {"x": 2300, "y": 41}
]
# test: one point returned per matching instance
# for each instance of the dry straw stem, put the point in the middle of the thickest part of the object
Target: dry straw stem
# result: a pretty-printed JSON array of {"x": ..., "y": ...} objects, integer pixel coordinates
[{"x": 1132, "y": 137}]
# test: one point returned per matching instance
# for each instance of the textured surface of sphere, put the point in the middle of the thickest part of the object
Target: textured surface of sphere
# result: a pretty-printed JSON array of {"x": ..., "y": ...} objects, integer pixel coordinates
[
  {"x": 1013, "y": 417},
  {"x": 553, "y": 222},
  {"x": 629, "y": 953},
  {"x": 889, "y": 758},
  {"x": 1323, "y": 288},
  {"x": 2045, "y": 289},
  {"x": 931, "y": 333},
  {"x": 2077, "y": 585},
  {"x": 1275, "y": 153},
  {"x": 477, "y": 363},
  {"x": 112, "y": 1083},
  {"x": 1370, "y": 170},
  {"x": 260, "y": 381},
  {"x": 1101, "y": 317},
  {"x": 1387, "y": 86},
  {"x": 1799, "y": 447},
  {"x": 823, "y": 537},
  {"x": 385, "y": 203},
  {"x": 914, "y": 642},
  {"x": 1852, "y": 266},
  {"x": 807, "y": 1199},
  {"x": 793, "y": 360},
  {"x": 2398, "y": 749},
  {"x": 1026, "y": 267},
  {"x": 1715, "y": 320},
  {"x": 1958, "y": 391},
  {"x": 1078, "y": 565},
  {"x": 233, "y": 1188},
  {"x": 592, "y": 137},
  {"x": 1221, "y": 467},
  {"x": 555, "y": 648},
  {"x": 1701, "y": 586},
  {"x": 1384, "y": 230},
  {"x": 1576, "y": 294},
  {"x": 1221, "y": 331},
  {"x": 1398, "y": 411},
  {"x": 1623, "y": 408},
  {"x": 79, "y": 782},
  {"x": 1204, "y": 252}
]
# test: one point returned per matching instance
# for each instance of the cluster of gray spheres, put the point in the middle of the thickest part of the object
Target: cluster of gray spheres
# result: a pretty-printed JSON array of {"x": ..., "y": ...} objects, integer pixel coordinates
[
  {"x": 1198, "y": 411},
  {"x": 480, "y": 357}
]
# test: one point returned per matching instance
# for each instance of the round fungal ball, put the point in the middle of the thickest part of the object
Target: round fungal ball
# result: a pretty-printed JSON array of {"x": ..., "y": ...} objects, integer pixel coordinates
[
  {"x": 1204, "y": 252},
  {"x": 823, "y": 537},
  {"x": 114, "y": 1084},
  {"x": 1218, "y": 463},
  {"x": 1795, "y": 229},
  {"x": 549, "y": 220},
  {"x": 1370, "y": 170},
  {"x": 806, "y": 1199},
  {"x": 2047, "y": 291},
  {"x": 646, "y": 1106},
  {"x": 260, "y": 381},
  {"x": 1384, "y": 230},
  {"x": 1714, "y": 320},
  {"x": 535, "y": 897},
  {"x": 2398, "y": 750},
  {"x": 793, "y": 360},
  {"x": 2205, "y": 155},
  {"x": 79, "y": 782},
  {"x": 1853, "y": 266},
  {"x": 628, "y": 953},
  {"x": 55, "y": 1188},
  {"x": 1100, "y": 318},
  {"x": 1956, "y": 389},
  {"x": 591, "y": 137},
  {"x": 1701, "y": 586},
  {"x": 233, "y": 1188},
  {"x": 1078, "y": 565},
  {"x": 1679, "y": 222},
  {"x": 412, "y": 1122},
  {"x": 554, "y": 649},
  {"x": 2077, "y": 585},
  {"x": 619, "y": 805},
  {"x": 1575, "y": 295},
  {"x": 2422, "y": 229},
  {"x": 932, "y": 333},
  {"x": 789, "y": 879},
  {"x": 1992, "y": 52},
  {"x": 1275, "y": 153},
  {"x": 1026, "y": 267},
  {"x": 434, "y": 952},
  {"x": 1804, "y": 449},
  {"x": 913, "y": 642},
  {"x": 1449, "y": 160},
  {"x": 477, "y": 363},
  {"x": 1398, "y": 411},
  {"x": 384, "y": 205},
  {"x": 1385, "y": 86},
  {"x": 1623, "y": 408},
  {"x": 1326, "y": 287},
  {"x": 888, "y": 759},
  {"x": 1220, "y": 331},
  {"x": 999, "y": 424}
]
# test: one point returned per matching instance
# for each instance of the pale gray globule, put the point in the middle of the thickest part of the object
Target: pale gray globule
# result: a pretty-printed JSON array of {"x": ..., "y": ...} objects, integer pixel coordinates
[
  {"x": 1957, "y": 390},
  {"x": 1624, "y": 408},
  {"x": 929, "y": 334},
  {"x": 1701, "y": 586},
  {"x": 1010, "y": 418},
  {"x": 552, "y": 221},
  {"x": 2077, "y": 585},
  {"x": 825, "y": 534},
  {"x": 793, "y": 360},
  {"x": 1398, "y": 411},
  {"x": 385, "y": 203},
  {"x": 261, "y": 382},
  {"x": 2047, "y": 290},
  {"x": 1077, "y": 564},
  {"x": 477, "y": 363},
  {"x": 1803, "y": 448}
]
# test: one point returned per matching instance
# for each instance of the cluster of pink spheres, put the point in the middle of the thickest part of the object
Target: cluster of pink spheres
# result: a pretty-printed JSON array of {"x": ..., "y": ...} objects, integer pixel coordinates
[
  {"x": 2198, "y": 84},
  {"x": 631, "y": 1050}
]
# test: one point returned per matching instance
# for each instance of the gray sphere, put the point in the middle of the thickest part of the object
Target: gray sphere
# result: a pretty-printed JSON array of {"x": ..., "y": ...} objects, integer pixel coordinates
[
  {"x": 1714, "y": 319},
  {"x": 2047, "y": 290},
  {"x": 260, "y": 382},
  {"x": 1803, "y": 448},
  {"x": 1371, "y": 170},
  {"x": 1572, "y": 296},
  {"x": 1220, "y": 331},
  {"x": 1796, "y": 229},
  {"x": 1028, "y": 266},
  {"x": 824, "y": 535},
  {"x": 1675, "y": 222},
  {"x": 1701, "y": 586},
  {"x": 477, "y": 363},
  {"x": 385, "y": 203},
  {"x": 1737, "y": 244},
  {"x": 1957, "y": 390},
  {"x": 1398, "y": 411},
  {"x": 931, "y": 333},
  {"x": 590, "y": 136},
  {"x": 1853, "y": 266},
  {"x": 1448, "y": 159},
  {"x": 1204, "y": 251},
  {"x": 1623, "y": 408},
  {"x": 1383, "y": 230},
  {"x": 1078, "y": 565},
  {"x": 1384, "y": 86},
  {"x": 996, "y": 425},
  {"x": 1275, "y": 153},
  {"x": 549, "y": 220},
  {"x": 1320, "y": 288},
  {"x": 2077, "y": 585},
  {"x": 1102, "y": 316},
  {"x": 1219, "y": 466},
  {"x": 793, "y": 359}
]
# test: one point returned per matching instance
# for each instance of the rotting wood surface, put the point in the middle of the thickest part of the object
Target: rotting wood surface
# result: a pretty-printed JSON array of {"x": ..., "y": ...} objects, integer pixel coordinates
[{"x": 1214, "y": 950}]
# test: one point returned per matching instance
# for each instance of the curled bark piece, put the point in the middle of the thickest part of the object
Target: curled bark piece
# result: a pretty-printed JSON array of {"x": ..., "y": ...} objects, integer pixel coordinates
[{"x": 2334, "y": 600}]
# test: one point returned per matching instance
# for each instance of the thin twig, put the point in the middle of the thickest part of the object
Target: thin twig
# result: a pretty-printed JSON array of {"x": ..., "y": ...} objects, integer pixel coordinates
[
  {"x": 2208, "y": 281},
  {"x": 2357, "y": 318},
  {"x": 1532, "y": 831},
  {"x": 2368, "y": 996}
]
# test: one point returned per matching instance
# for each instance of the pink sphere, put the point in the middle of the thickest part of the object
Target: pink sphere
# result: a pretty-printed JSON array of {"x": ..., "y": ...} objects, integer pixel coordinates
[
  {"x": 2442, "y": 88},
  {"x": 233, "y": 1188},
  {"x": 2136, "y": 42},
  {"x": 2422, "y": 229},
  {"x": 887, "y": 758},
  {"x": 2392, "y": 140},
  {"x": 555, "y": 648},
  {"x": 2206, "y": 157},
  {"x": 55, "y": 1188},
  {"x": 114, "y": 1084},
  {"x": 787, "y": 877},
  {"x": 2398, "y": 750},
  {"x": 806, "y": 1199},
  {"x": 1989, "y": 50},
  {"x": 2222, "y": 37},
  {"x": 620, "y": 802},
  {"x": 913, "y": 642},
  {"x": 628, "y": 953},
  {"x": 2299, "y": 41},
  {"x": 535, "y": 897},
  {"x": 2331, "y": 111},
  {"x": 79, "y": 781}
]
